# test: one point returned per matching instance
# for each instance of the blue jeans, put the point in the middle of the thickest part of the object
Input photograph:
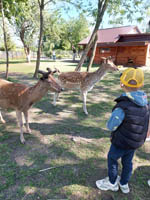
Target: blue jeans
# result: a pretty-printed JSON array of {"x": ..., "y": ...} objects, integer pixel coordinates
[
  {"x": 54, "y": 57},
  {"x": 126, "y": 156}
]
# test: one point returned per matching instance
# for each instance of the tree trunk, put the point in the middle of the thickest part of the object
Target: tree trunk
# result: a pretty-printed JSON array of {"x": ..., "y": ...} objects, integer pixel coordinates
[
  {"x": 5, "y": 39},
  {"x": 85, "y": 52},
  {"x": 28, "y": 56},
  {"x": 26, "y": 48},
  {"x": 41, "y": 6},
  {"x": 92, "y": 54},
  {"x": 102, "y": 5},
  {"x": 27, "y": 52}
]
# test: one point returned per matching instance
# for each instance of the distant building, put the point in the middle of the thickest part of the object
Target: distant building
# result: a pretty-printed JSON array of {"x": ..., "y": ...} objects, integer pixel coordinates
[{"x": 127, "y": 44}]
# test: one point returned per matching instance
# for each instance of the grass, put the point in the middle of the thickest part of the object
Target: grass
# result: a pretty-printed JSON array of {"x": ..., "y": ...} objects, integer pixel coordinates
[
  {"x": 73, "y": 145},
  {"x": 27, "y": 68},
  {"x": 21, "y": 66}
]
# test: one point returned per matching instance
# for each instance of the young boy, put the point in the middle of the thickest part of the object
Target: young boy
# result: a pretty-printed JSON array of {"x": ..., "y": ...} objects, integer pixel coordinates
[{"x": 129, "y": 125}]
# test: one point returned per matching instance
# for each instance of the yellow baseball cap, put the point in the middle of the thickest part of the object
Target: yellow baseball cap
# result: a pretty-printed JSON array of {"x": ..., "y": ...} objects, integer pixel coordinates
[{"x": 130, "y": 74}]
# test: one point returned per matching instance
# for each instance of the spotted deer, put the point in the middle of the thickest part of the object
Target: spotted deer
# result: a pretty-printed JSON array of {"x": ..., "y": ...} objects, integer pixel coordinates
[
  {"x": 84, "y": 81},
  {"x": 21, "y": 97}
]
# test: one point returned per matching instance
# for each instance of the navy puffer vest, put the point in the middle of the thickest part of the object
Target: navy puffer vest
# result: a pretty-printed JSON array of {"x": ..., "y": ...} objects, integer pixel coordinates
[{"x": 132, "y": 132}]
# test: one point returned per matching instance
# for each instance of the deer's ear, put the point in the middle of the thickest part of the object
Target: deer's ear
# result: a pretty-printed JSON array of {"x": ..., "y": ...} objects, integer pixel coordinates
[
  {"x": 48, "y": 69},
  {"x": 112, "y": 58},
  {"x": 56, "y": 70}
]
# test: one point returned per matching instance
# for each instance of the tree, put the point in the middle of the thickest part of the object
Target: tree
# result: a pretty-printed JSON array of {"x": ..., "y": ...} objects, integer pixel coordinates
[
  {"x": 52, "y": 32},
  {"x": 6, "y": 7},
  {"x": 102, "y": 5},
  {"x": 42, "y": 4},
  {"x": 93, "y": 53},
  {"x": 26, "y": 24},
  {"x": 129, "y": 9},
  {"x": 10, "y": 44},
  {"x": 62, "y": 34},
  {"x": 132, "y": 11},
  {"x": 5, "y": 38},
  {"x": 75, "y": 30}
]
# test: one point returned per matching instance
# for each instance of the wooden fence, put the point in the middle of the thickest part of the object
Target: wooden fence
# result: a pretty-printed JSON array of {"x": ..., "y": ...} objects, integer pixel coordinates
[{"x": 16, "y": 55}]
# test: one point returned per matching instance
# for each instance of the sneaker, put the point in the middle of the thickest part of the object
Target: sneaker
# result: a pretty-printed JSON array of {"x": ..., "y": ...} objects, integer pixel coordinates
[
  {"x": 124, "y": 188},
  {"x": 105, "y": 184},
  {"x": 148, "y": 182}
]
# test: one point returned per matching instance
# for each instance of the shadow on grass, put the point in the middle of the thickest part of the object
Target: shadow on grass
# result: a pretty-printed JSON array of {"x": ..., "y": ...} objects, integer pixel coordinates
[
  {"x": 18, "y": 77},
  {"x": 14, "y": 62},
  {"x": 57, "y": 181},
  {"x": 46, "y": 106},
  {"x": 65, "y": 180},
  {"x": 144, "y": 151},
  {"x": 73, "y": 130},
  {"x": 139, "y": 182},
  {"x": 70, "y": 61},
  {"x": 73, "y": 98}
]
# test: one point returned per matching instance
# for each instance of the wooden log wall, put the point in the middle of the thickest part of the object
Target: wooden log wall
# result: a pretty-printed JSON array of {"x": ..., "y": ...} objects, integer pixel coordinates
[
  {"x": 125, "y": 55},
  {"x": 148, "y": 56},
  {"x": 137, "y": 54}
]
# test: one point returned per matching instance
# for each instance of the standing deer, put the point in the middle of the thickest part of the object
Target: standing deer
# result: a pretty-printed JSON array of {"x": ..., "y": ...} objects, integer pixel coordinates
[
  {"x": 84, "y": 81},
  {"x": 21, "y": 97}
]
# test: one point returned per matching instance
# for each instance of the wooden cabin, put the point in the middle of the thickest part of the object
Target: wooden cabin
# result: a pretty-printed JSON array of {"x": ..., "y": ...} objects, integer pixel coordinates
[{"x": 127, "y": 44}]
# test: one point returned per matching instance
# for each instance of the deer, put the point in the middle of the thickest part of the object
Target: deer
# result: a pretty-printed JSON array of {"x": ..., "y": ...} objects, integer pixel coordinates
[
  {"x": 21, "y": 97},
  {"x": 84, "y": 81}
]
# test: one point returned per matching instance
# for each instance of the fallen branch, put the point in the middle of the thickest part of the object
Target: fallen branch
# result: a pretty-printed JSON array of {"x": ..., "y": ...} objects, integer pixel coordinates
[{"x": 49, "y": 168}]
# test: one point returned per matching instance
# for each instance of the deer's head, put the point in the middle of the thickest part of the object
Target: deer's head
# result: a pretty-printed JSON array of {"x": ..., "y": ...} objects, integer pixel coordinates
[
  {"x": 108, "y": 63},
  {"x": 51, "y": 83},
  {"x": 55, "y": 71}
]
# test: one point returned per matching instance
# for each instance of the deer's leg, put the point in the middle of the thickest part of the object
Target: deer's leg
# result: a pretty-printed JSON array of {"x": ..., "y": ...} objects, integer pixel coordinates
[
  {"x": 84, "y": 94},
  {"x": 19, "y": 118},
  {"x": 26, "y": 116},
  {"x": 1, "y": 118},
  {"x": 56, "y": 95}
]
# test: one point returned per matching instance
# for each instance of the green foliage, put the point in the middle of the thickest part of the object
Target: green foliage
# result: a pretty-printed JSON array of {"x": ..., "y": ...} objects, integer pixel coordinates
[
  {"x": 25, "y": 21},
  {"x": 61, "y": 34},
  {"x": 51, "y": 32},
  {"x": 121, "y": 11},
  {"x": 77, "y": 29},
  {"x": 10, "y": 7},
  {"x": 10, "y": 44}
]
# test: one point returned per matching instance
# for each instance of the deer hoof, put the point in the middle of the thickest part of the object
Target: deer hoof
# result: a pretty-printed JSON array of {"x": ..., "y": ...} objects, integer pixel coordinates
[
  {"x": 86, "y": 113},
  {"x": 22, "y": 141}
]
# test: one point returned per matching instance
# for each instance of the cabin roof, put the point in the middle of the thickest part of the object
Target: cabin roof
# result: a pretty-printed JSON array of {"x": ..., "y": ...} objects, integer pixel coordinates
[
  {"x": 112, "y": 35},
  {"x": 142, "y": 37},
  {"x": 112, "y": 44}
]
